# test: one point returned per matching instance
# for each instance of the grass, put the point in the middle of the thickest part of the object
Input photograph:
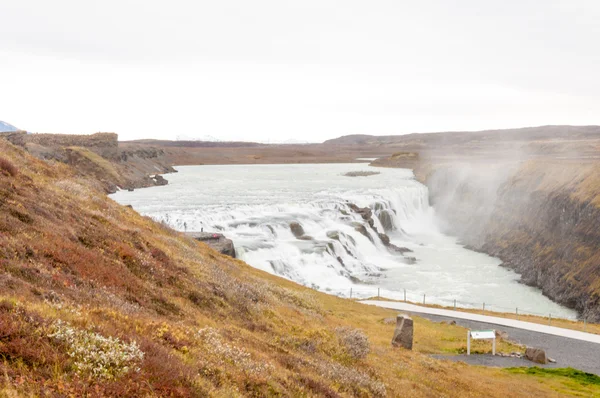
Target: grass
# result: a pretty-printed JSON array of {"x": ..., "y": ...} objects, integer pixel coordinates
[
  {"x": 179, "y": 319},
  {"x": 567, "y": 381}
]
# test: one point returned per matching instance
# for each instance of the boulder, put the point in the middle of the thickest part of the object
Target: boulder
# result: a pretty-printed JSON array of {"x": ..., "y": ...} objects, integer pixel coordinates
[
  {"x": 160, "y": 180},
  {"x": 536, "y": 355},
  {"x": 296, "y": 229},
  {"x": 501, "y": 335},
  {"x": 403, "y": 335},
  {"x": 217, "y": 241}
]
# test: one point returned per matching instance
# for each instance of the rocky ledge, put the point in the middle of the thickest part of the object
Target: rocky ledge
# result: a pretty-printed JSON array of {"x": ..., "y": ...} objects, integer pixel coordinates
[{"x": 217, "y": 241}]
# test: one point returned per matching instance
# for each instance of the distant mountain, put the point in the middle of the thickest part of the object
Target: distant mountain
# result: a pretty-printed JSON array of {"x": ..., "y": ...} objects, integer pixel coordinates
[{"x": 4, "y": 127}]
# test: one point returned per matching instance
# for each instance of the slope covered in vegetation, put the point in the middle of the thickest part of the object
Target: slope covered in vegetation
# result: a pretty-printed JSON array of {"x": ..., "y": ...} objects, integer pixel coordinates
[{"x": 96, "y": 300}]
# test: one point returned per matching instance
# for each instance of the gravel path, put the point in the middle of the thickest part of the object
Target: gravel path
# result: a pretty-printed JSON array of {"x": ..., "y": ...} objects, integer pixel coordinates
[{"x": 568, "y": 352}]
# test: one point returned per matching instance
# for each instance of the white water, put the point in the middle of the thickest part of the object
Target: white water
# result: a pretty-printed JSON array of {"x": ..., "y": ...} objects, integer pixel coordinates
[{"x": 254, "y": 206}]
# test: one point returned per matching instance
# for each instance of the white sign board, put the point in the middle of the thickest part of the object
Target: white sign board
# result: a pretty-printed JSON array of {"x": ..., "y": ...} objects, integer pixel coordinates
[
  {"x": 480, "y": 335},
  {"x": 483, "y": 334}
]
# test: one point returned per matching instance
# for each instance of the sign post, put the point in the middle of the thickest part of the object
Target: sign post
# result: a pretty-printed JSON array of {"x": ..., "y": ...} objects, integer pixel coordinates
[{"x": 481, "y": 335}]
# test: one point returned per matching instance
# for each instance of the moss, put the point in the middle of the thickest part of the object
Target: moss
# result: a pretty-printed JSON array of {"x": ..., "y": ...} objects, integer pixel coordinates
[{"x": 570, "y": 373}]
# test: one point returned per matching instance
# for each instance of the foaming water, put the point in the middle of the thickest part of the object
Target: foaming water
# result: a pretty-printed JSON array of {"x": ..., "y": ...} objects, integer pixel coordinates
[{"x": 338, "y": 251}]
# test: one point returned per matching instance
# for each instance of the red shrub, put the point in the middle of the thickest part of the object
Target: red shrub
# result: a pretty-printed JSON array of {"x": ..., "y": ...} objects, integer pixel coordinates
[{"x": 7, "y": 167}]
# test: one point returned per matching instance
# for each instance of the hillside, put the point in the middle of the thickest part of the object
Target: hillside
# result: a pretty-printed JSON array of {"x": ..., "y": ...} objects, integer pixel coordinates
[{"x": 96, "y": 300}]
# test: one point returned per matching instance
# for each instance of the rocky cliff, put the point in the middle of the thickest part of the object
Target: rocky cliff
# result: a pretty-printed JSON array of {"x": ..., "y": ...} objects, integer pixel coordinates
[
  {"x": 540, "y": 215},
  {"x": 99, "y": 156}
]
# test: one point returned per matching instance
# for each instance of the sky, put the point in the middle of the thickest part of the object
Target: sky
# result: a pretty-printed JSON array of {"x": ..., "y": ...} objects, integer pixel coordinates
[{"x": 303, "y": 70}]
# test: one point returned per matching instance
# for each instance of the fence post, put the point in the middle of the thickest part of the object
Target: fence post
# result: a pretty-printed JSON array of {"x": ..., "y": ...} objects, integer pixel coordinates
[
  {"x": 549, "y": 319},
  {"x": 377, "y": 292},
  {"x": 517, "y": 312},
  {"x": 483, "y": 307},
  {"x": 405, "y": 295},
  {"x": 350, "y": 292},
  {"x": 454, "y": 304},
  {"x": 584, "y": 323},
  {"x": 423, "y": 298}
]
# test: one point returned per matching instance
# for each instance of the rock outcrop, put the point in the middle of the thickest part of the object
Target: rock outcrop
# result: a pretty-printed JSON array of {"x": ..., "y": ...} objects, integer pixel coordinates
[
  {"x": 99, "y": 156},
  {"x": 536, "y": 355},
  {"x": 215, "y": 240},
  {"x": 403, "y": 335},
  {"x": 296, "y": 229}
]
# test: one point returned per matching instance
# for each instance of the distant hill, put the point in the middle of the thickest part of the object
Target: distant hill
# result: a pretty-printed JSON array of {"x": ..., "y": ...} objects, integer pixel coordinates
[{"x": 4, "y": 127}]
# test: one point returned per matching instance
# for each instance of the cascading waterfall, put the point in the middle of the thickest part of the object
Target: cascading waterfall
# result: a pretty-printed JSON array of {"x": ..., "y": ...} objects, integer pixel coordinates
[
  {"x": 335, "y": 246},
  {"x": 307, "y": 223}
]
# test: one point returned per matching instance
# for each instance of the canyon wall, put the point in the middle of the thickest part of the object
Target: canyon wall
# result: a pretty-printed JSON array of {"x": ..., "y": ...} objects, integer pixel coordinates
[{"x": 541, "y": 217}]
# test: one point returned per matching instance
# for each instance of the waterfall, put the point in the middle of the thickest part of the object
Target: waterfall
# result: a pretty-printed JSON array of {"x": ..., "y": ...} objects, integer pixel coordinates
[{"x": 333, "y": 247}]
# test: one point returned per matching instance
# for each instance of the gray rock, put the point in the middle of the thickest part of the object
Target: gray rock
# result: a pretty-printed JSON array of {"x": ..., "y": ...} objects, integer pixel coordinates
[
  {"x": 501, "y": 335},
  {"x": 403, "y": 335},
  {"x": 536, "y": 355},
  {"x": 386, "y": 220},
  {"x": 333, "y": 235},
  {"x": 384, "y": 239},
  {"x": 296, "y": 229},
  {"x": 217, "y": 241}
]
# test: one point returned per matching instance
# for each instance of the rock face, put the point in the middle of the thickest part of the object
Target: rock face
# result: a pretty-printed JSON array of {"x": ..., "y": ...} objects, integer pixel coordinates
[
  {"x": 540, "y": 218},
  {"x": 386, "y": 220},
  {"x": 536, "y": 355},
  {"x": 296, "y": 229},
  {"x": 403, "y": 335},
  {"x": 217, "y": 241}
]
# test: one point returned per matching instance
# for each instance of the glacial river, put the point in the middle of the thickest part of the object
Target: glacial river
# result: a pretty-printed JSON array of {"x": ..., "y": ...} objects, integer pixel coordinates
[{"x": 254, "y": 206}]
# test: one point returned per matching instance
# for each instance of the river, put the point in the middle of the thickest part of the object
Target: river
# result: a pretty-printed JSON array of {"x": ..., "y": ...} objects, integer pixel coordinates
[{"x": 254, "y": 206}]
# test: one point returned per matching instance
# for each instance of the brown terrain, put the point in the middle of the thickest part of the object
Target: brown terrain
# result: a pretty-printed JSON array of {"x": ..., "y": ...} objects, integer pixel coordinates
[{"x": 96, "y": 300}]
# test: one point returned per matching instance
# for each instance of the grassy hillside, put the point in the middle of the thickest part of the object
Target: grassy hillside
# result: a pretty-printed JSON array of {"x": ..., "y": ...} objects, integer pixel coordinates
[{"x": 96, "y": 300}]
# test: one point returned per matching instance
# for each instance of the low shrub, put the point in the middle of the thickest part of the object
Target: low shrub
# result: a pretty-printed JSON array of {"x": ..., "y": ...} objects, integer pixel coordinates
[
  {"x": 6, "y": 167},
  {"x": 94, "y": 354},
  {"x": 354, "y": 341}
]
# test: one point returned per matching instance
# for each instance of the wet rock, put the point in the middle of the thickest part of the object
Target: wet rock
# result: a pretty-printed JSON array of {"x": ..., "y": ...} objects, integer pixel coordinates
[
  {"x": 362, "y": 230},
  {"x": 296, "y": 229},
  {"x": 160, "y": 180},
  {"x": 410, "y": 260},
  {"x": 403, "y": 335},
  {"x": 386, "y": 220},
  {"x": 217, "y": 241},
  {"x": 305, "y": 237},
  {"x": 333, "y": 235},
  {"x": 384, "y": 239},
  {"x": 536, "y": 355},
  {"x": 365, "y": 212}
]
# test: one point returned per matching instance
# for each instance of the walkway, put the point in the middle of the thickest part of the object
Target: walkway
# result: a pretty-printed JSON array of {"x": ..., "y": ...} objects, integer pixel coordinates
[
  {"x": 513, "y": 323},
  {"x": 570, "y": 348}
]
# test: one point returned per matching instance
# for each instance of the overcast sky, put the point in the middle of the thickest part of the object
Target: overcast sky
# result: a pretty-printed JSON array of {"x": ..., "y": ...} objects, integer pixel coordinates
[{"x": 306, "y": 70}]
